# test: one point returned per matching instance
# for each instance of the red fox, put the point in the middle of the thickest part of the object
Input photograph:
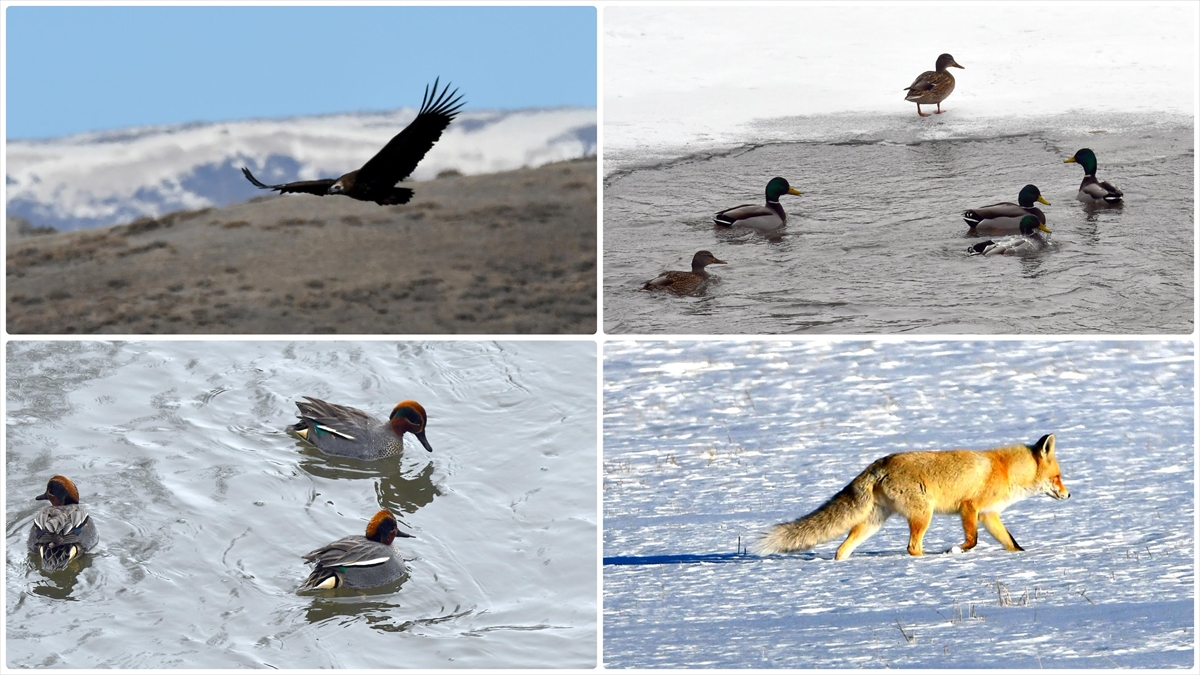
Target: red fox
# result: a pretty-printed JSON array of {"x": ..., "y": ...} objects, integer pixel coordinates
[{"x": 978, "y": 484}]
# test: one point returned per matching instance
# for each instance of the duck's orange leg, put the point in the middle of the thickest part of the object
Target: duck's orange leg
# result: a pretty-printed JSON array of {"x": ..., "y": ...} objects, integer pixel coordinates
[
  {"x": 939, "y": 110},
  {"x": 921, "y": 113}
]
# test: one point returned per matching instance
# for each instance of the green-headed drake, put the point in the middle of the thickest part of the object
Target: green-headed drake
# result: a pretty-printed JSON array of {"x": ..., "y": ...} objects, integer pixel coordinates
[
  {"x": 349, "y": 432},
  {"x": 1092, "y": 190},
  {"x": 766, "y": 218},
  {"x": 933, "y": 86},
  {"x": 1006, "y": 216},
  {"x": 63, "y": 530},
  {"x": 685, "y": 282},
  {"x": 358, "y": 561},
  {"x": 1030, "y": 241}
]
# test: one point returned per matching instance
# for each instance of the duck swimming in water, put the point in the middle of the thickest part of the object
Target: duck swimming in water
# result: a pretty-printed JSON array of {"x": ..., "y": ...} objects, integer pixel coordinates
[
  {"x": 933, "y": 86},
  {"x": 1006, "y": 216},
  {"x": 1092, "y": 190},
  {"x": 1029, "y": 241},
  {"x": 349, "y": 432},
  {"x": 358, "y": 561},
  {"x": 765, "y": 218},
  {"x": 63, "y": 530},
  {"x": 683, "y": 283}
]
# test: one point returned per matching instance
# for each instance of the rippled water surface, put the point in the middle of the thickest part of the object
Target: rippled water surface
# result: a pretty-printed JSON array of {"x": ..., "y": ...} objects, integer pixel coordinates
[
  {"x": 706, "y": 444},
  {"x": 204, "y": 505},
  {"x": 876, "y": 243}
]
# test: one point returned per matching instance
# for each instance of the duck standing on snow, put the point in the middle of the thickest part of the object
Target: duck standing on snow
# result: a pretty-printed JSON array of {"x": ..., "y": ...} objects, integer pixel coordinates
[
  {"x": 1029, "y": 241},
  {"x": 64, "y": 529},
  {"x": 933, "y": 86},
  {"x": 1092, "y": 190},
  {"x": 765, "y": 218},
  {"x": 357, "y": 561},
  {"x": 683, "y": 283},
  {"x": 1006, "y": 216}
]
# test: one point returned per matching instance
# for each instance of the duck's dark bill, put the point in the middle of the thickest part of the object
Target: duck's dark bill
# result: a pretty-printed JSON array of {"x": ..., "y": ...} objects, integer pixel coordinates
[{"x": 421, "y": 437}]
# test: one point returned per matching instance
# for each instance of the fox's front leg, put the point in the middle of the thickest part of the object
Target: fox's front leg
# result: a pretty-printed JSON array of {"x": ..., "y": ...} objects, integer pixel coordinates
[{"x": 992, "y": 522}]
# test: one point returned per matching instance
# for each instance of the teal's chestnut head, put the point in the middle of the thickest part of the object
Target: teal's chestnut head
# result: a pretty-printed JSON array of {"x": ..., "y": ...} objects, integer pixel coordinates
[
  {"x": 410, "y": 417},
  {"x": 384, "y": 529},
  {"x": 60, "y": 491}
]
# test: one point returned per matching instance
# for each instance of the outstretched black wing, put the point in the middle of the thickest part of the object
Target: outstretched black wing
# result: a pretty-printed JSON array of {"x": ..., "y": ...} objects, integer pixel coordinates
[
  {"x": 312, "y": 187},
  {"x": 400, "y": 156}
]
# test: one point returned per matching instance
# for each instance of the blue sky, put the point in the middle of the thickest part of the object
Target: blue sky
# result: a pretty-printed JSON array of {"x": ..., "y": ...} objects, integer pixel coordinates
[{"x": 74, "y": 69}]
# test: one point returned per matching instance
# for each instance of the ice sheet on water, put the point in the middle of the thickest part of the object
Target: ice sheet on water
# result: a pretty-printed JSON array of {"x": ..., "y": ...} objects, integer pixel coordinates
[{"x": 678, "y": 83}]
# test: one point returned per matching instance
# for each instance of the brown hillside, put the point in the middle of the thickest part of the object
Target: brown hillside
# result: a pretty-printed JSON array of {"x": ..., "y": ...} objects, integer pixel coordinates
[{"x": 511, "y": 252}]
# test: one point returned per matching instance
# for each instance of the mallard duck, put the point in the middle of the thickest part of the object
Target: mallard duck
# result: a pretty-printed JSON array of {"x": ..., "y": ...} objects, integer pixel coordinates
[
  {"x": 349, "y": 432},
  {"x": 685, "y": 282},
  {"x": 933, "y": 86},
  {"x": 1092, "y": 190},
  {"x": 1006, "y": 216},
  {"x": 63, "y": 530},
  {"x": 1029, "y": 241},
  {"x": 357, "y": 561},
  {"x": 769, "y": 217}
]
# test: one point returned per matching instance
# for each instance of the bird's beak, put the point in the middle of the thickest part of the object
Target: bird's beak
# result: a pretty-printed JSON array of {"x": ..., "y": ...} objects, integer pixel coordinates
[
  {"x": 42, "y": 496},
  {"x": 793, "y": 191},
  {"x": 718, "y": 262},
  {"x": 1043, "y": 200},
  {"x": 405, "y": 535},
  {"x": 421, "y": 437},
  {"x": 1069, "y": 160},
  {"x": 1043, "y": 228},
  {"x": 955, "y": 65}
]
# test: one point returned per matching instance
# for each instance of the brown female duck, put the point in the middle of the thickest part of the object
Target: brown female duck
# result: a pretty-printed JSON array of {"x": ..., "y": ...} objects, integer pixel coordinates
[
  {"x": 933, "y": 86},
  {"x": 683, "y": 283}
]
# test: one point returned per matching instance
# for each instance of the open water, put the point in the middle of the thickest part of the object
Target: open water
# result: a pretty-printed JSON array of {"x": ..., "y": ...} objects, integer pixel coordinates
[
  {"x": 204, "y": 505},
  {"x": 876, "y": 244}
]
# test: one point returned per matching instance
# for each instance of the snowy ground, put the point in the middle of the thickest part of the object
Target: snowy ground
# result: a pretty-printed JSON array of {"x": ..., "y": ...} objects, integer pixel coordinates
[
  {"x": 707, "y": 443},
  {"x": 679, "y": 82}
]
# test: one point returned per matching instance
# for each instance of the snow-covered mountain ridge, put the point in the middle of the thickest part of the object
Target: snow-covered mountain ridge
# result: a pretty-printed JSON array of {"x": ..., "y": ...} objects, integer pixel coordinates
[{"x": 102, "y": 178}]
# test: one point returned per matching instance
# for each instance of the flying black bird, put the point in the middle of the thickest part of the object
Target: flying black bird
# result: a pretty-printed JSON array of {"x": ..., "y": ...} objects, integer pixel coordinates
[{"x": 376, "y": 180}]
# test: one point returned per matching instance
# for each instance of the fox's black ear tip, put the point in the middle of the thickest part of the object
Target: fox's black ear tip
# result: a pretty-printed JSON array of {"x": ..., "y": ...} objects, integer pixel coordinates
[{"x": 1045, "y": 442}]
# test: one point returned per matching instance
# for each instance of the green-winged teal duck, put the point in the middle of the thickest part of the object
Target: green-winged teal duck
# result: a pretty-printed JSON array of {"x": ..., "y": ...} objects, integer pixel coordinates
[
  {"x": 348, "y": 432},
  {"x": 63, "y": 530},
  {"x": 357, "y": 561}
]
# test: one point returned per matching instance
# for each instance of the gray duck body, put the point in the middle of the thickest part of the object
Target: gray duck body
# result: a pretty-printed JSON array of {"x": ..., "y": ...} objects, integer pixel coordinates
[
  {"x": 62, "y": 533},
  {"x": 353, "y": 562}
]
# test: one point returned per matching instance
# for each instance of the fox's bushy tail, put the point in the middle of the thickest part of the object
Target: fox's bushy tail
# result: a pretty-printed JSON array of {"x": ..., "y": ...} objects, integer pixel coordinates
[{"x": 851, "y": 505}]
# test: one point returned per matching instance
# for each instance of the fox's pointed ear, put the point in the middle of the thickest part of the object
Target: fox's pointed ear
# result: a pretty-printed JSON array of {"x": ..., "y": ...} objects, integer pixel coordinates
[{"x": 1044, "y": 445}]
